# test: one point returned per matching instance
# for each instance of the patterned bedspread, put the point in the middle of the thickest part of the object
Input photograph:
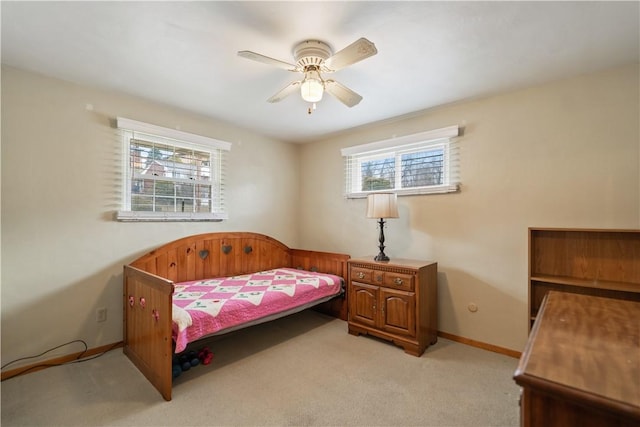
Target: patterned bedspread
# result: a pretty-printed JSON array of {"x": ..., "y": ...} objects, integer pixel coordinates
[{"x": 205, "y": 307}]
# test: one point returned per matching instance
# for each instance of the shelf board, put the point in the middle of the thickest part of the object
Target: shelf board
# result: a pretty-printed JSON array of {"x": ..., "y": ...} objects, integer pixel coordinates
[{"x": 588, "y": 283}]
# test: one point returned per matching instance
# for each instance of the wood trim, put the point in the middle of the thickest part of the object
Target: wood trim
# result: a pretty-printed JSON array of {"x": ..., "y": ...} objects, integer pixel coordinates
[
  {"x": 480, "y": 344},
  {"x": 27, "y": 369}
]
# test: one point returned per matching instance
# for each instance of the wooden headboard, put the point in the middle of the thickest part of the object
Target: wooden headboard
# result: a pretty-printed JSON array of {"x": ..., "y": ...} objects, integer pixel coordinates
[{"x": 208, "y": 255}]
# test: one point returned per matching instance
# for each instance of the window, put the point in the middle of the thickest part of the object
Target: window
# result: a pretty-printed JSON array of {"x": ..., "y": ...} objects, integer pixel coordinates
[
  {"x": 415, "y": 164},
  {"x": 171, "y": 175}
]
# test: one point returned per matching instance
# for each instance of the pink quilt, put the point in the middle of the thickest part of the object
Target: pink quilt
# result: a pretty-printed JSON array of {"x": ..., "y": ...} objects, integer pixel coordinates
[{"x": 204, "y": 307}]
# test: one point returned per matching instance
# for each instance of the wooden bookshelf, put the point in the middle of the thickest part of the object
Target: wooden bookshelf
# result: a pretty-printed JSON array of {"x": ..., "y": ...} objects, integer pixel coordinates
[{"x": 595, "y": 262}]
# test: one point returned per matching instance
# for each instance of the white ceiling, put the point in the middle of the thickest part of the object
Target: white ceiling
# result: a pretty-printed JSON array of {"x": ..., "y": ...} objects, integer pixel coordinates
[{"x": 429, "y": 53}]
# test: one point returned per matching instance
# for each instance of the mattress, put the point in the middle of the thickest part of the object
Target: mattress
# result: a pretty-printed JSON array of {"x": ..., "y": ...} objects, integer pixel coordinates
[{"x": 208, "y": 307}]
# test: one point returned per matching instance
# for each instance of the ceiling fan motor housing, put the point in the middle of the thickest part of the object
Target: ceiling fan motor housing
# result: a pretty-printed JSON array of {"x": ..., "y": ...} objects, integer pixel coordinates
[{"x": 311, "y": 52}]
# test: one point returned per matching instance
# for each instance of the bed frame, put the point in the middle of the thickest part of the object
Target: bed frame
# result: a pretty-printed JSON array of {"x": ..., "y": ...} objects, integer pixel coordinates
[{"x": 149, "y": 286}]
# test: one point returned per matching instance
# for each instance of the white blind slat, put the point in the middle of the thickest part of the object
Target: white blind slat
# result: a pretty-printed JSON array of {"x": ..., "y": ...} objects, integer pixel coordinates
[
  {"x": 169, "y": 179},
  {"x": 422, "y": 163}
]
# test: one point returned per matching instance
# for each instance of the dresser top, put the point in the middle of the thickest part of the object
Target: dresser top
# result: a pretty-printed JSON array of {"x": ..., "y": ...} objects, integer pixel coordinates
[
  {"x": 394, "y": 262},
  {"x": 586, "y": 346}
]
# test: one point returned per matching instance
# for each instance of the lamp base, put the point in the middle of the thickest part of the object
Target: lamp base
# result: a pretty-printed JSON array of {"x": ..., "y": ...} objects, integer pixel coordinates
[{"x": 381, "y": 257}]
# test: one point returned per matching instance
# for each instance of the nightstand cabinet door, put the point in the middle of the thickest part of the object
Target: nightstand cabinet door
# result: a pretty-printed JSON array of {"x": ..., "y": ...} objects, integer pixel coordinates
[
  {"x": 364, "y": 303},
  {"x": 395, "y": 301},
  {"x": 397, "y": 312}
]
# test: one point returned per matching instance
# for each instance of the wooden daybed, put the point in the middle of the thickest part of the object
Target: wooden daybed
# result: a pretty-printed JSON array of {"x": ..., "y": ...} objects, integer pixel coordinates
[{"x": 149, "y": 284}]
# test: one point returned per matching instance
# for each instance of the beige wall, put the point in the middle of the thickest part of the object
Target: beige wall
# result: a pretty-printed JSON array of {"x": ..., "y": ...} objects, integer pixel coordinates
[
  {"x": 563, "y": 154},
  {"x": 62, "y": 254}
]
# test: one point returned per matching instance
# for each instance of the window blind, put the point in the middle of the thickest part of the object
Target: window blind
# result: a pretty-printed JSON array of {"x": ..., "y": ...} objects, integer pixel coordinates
[
  {"x": 421, "y": 163},
  {"x": 171, "y": 175}
]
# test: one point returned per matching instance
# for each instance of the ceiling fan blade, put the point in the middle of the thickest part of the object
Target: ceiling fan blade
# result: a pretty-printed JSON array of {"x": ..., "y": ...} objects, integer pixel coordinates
[
  {"x": 342, "y": 93},
  {"x": 288, "y": 90},
  {"x": 356, "y": 51},
  {"x": 266, "y": 60}
]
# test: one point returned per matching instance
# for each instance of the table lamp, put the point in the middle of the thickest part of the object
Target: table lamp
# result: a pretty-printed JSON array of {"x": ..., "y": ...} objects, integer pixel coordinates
[{"x": 381, "y": 206}]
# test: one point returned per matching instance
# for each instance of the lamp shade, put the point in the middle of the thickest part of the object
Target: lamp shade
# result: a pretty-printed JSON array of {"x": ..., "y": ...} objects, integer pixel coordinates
[{"x": 382, "y": 205}]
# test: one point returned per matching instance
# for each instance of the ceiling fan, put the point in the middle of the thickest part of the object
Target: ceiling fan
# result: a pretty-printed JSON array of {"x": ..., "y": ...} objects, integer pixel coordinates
[{"x": 313, "y": 58}]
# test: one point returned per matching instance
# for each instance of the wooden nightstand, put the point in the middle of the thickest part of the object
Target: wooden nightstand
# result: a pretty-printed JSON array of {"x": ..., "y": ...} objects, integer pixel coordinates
[{"x": 394, "y": 300}]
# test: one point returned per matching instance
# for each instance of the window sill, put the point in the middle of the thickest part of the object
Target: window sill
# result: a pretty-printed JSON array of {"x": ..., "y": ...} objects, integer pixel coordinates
[
  {"x": 139, "y": 216},
  {"x": 441, "y": 189}
]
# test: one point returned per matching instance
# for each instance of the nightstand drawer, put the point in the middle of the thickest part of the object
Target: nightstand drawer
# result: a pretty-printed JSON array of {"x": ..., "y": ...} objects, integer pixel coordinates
[
  {"x": 402, "y": 281},
  {"x": 398, "y": 281},
  {"x": 361, "y": 275}
]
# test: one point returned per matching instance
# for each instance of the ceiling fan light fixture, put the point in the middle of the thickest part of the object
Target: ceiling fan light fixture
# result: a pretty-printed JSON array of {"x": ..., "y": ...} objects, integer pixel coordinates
[
  {"x": 313, "y": 57},
  {"x": 312, "y": 87}
]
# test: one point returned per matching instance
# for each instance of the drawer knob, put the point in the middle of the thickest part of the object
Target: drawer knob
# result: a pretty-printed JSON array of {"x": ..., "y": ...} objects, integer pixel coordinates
[
  {"x": 398, "y": 281},
  {"x": 360, "y": 275}
]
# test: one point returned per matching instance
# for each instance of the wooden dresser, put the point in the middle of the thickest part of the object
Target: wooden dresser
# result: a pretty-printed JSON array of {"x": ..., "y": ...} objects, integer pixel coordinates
[
  {"x": 394, "y": 300},
  {"x": 581, "y": 365}
]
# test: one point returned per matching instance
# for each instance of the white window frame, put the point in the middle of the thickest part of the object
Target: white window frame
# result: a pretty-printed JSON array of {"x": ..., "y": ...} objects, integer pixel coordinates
[
  {"x": 139, "y": 131},
  {"x": 439, "y": 138}
]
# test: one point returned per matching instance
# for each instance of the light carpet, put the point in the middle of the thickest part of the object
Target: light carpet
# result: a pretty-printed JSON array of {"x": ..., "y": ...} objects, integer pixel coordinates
[{"x": 302, "y": 370}]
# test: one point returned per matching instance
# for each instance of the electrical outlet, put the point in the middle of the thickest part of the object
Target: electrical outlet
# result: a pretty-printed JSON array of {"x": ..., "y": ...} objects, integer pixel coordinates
[{"x": 101, "y": 314}]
